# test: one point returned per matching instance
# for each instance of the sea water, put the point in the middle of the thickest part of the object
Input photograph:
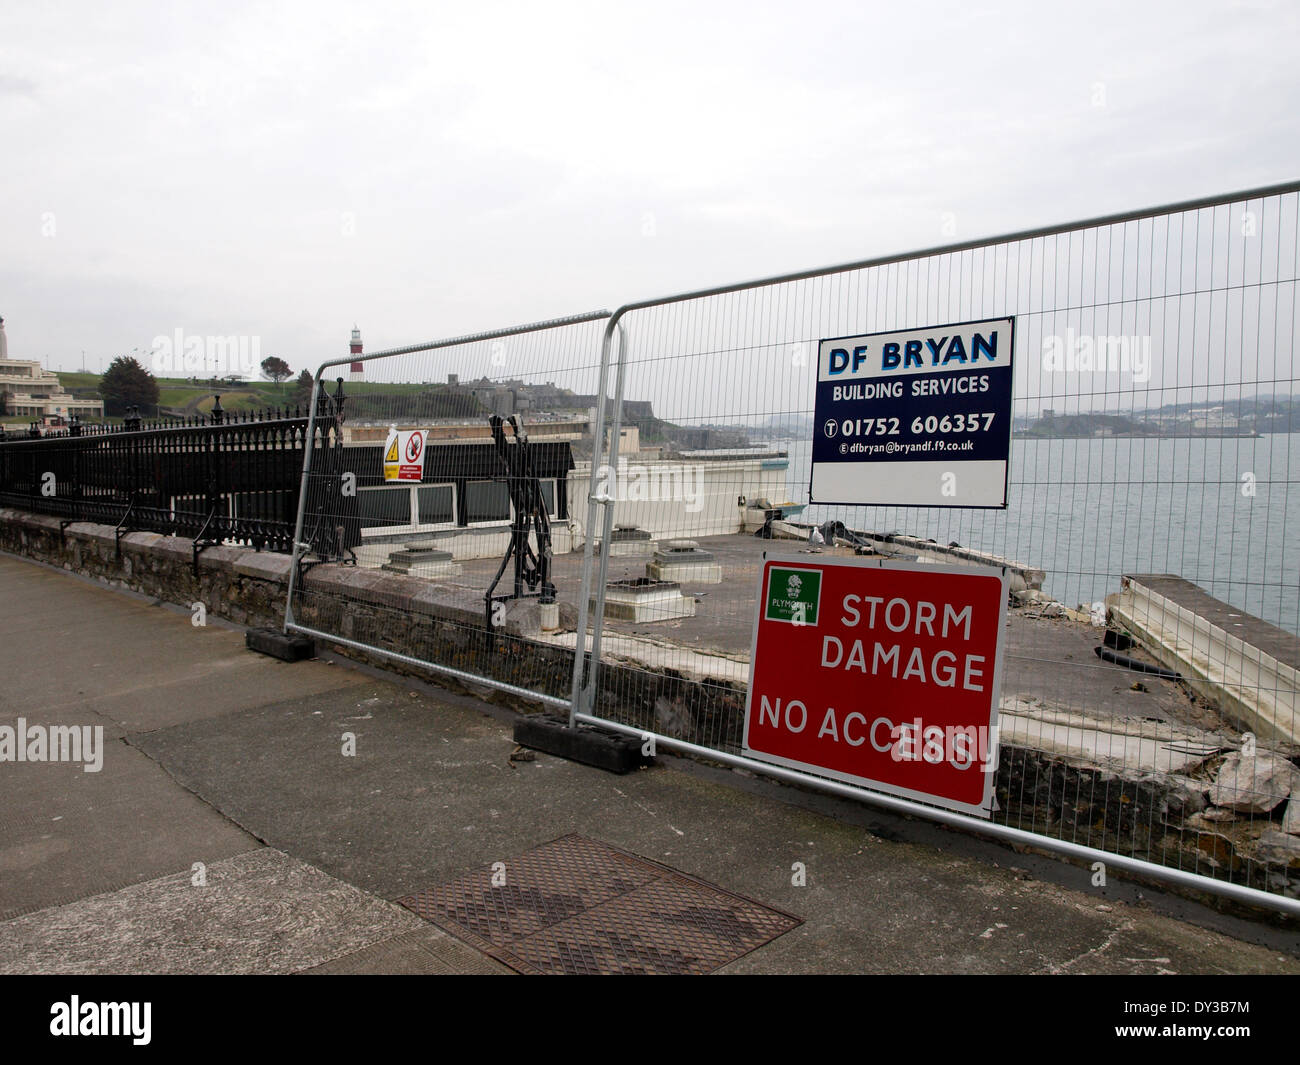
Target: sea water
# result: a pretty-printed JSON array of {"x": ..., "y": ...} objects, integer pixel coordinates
[{"x": 1219, "y": 512}]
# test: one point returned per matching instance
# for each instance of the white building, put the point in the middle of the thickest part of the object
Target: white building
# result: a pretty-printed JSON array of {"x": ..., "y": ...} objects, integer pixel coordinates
[
  {"x": 1212, "y": 418},
  {"x": 31, "y": 391}
]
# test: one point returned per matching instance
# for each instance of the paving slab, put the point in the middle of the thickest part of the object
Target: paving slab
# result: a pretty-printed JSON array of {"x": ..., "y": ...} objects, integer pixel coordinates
[
  {"x": 66, "y": 833},
  {"x": 259, "y": 912}
]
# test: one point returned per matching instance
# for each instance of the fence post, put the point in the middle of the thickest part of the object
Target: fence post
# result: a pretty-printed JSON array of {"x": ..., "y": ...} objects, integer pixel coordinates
[
  {"x": 584, "y": 680},
  {"x": 214, "y": 462},
  {"x": 588, "y": 548},
  {"x": 334, "y": 534},
  {"x": 295, "y": 549},
  {"x": 74, "y": 431}
]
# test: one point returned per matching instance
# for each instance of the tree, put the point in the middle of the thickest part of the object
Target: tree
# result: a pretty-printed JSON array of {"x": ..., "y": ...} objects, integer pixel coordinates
[
  {"x": 302, "y": 388},
  {"x": 275, "y": 369},
  {"x": 127, "y": 384}
]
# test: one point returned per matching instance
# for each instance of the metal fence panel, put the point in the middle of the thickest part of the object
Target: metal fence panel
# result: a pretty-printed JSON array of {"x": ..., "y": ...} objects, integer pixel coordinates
[
  {"x": 1154, "y": 385},
  {"x": 480, "y": 548}
]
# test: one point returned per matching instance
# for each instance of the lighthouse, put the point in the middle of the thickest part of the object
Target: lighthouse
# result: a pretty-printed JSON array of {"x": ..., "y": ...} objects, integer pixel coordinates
[{"x": 357, "y": 368}]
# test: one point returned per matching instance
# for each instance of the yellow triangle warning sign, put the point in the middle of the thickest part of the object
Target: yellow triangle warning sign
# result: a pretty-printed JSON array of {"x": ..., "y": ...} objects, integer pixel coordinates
[{"x": 391, "y": 454}]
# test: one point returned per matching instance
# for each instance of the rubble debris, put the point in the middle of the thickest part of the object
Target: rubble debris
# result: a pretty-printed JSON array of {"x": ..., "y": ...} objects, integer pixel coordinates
[
  {"x": 1253, "y": 783},
  {"x": 1291, "y": 816},
  {"x": 1279, "y": 847},
  {"x": 1107, "y": 655}
]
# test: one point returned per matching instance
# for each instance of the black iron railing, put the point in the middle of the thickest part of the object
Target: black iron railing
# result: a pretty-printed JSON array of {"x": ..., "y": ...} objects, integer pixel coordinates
[{"x": 224, "y": 477}]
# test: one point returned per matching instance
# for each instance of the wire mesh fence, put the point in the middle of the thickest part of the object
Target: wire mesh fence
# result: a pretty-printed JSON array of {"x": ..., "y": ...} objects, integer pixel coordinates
[
  {"x": 1148, "y": 701},
  {"x": 578, "y": 512},
  {"x": 465, "y": 463}
]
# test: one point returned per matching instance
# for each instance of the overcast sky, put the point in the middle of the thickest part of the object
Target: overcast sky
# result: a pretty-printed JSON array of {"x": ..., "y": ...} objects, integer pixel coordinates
[{"x": 283, "y": 170}]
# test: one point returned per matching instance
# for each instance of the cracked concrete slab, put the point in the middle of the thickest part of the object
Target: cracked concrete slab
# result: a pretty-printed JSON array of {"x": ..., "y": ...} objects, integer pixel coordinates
[
  {"x": 259, "y": 912},
  {"x": 66, "y": 833}
]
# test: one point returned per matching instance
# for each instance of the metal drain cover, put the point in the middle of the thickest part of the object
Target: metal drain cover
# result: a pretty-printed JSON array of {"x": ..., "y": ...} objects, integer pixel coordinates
[{"x": 579, "y": 906}]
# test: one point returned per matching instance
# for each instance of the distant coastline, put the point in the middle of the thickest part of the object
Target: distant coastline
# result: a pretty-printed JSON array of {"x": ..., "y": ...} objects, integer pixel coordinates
[{"x": 1183, "y": 434}]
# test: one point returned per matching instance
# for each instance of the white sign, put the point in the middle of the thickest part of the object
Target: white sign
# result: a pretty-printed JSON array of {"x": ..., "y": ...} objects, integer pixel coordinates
[
  {"x": 404, "y": 455},
  {"x": 917, "y": 418}
]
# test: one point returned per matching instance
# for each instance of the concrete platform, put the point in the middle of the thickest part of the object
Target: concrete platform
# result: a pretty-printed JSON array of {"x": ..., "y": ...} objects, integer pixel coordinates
[
  {"x": 423, "y": 559},
  {"x": 1049, "y": 660},
  {"x": 1241, "y": 663},
  {"x": 643, "y": 600},
  {"x": 686, "y": 562}
]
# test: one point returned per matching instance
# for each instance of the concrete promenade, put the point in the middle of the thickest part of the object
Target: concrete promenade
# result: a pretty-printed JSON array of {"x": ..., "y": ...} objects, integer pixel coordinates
[{"x": 228, "y": 832}]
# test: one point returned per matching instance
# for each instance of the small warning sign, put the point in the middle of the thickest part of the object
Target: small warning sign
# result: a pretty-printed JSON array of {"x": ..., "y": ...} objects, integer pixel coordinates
[{"x": 404, "y": 455}]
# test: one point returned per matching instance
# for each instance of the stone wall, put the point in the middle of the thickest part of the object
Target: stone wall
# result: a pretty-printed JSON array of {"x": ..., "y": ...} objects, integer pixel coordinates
[{"x": 244, "y": 586}]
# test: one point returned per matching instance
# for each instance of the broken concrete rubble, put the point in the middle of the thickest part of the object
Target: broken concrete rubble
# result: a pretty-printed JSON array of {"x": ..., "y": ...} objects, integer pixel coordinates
[
  {"x": 1220, "y": 814},
  {"x": 1253, "y": 783},
  {"x": 1291, "y": 817},
  {"x": 1279, "y": 847}
]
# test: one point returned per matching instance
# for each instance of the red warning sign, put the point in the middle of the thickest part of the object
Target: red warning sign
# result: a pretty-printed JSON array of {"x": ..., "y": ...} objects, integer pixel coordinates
[
  {"x": 404, "y": 455},
  {"x": 881, "y": 674},
  {"x": 413, "y": 452}
]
